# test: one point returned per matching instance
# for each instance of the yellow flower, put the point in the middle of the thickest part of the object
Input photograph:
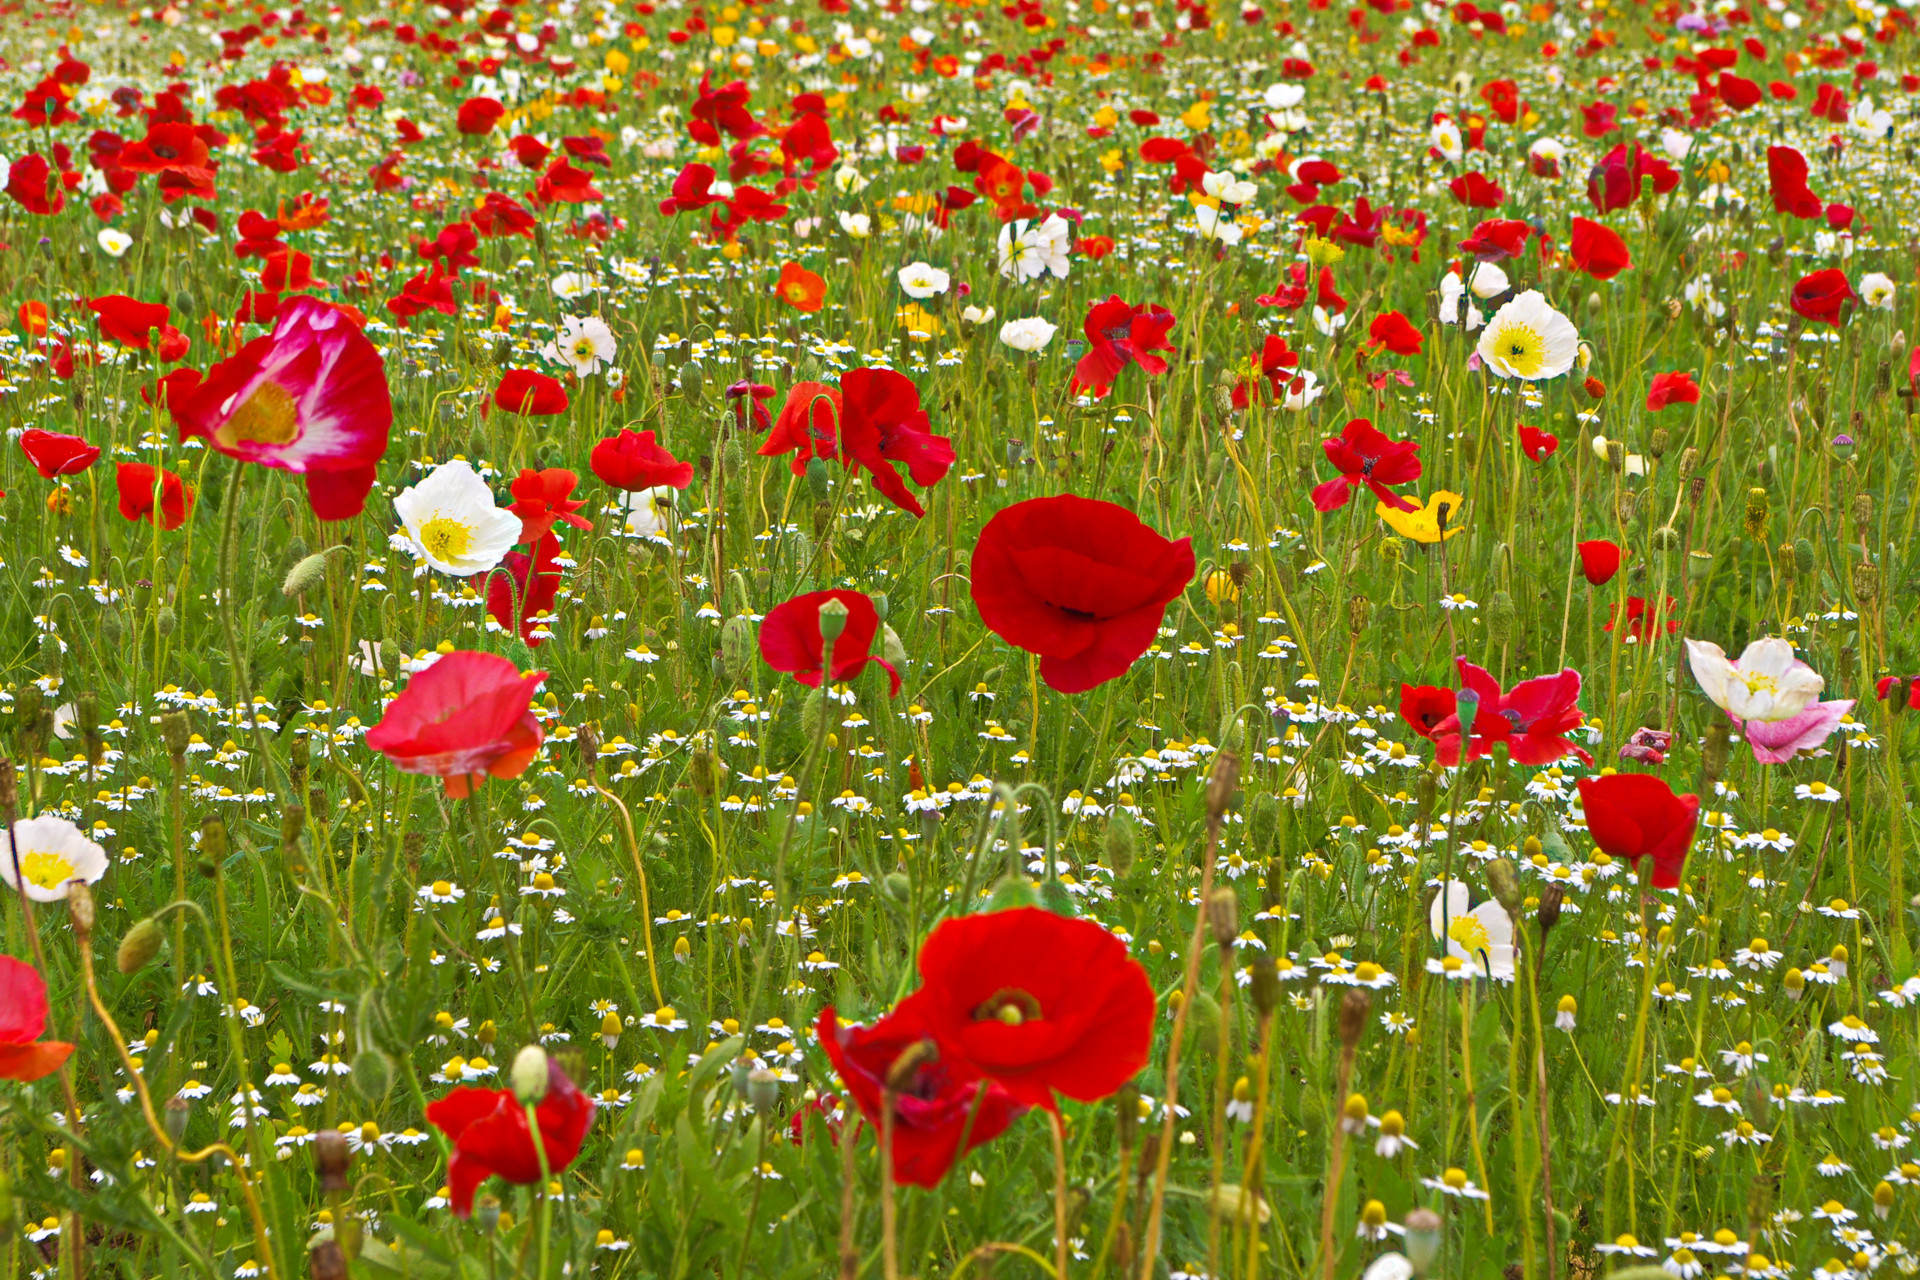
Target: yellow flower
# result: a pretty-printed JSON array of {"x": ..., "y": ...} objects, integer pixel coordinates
[
  {"x": 1221, "y": 586},
  {"x": 919, "y": 323},
  {"x": 1423, "y": 525},
  {"x": 1198, "y": 117}
]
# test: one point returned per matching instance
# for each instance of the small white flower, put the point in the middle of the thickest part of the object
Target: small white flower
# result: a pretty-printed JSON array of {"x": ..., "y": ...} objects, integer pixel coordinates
[
  {"x": 453, "y": 522},
  {"x": 114, "y": 242},
  {"x": 583, "y": 344},
  {"x": 1032, "y": 334},
  {"x": 51, "y": 854},
  {"x": 920, "y": 280},
  {"x": 857, "y": 225},
  {"x": 1876, "y": 289}
]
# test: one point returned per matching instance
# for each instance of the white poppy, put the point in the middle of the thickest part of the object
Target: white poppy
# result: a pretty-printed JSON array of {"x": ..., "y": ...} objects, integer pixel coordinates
[
  {"x": 1876, "y": 290},
  {"x": 453, "y": 522},
  {"x": 583, "y": 344},
  {"x": 847, "y": 180},
  {"x": 1302, "y": 391},
  {"x": 1445, "y": 138},
  {"x": 51, "y": 853},
  {"x": 1028, "y": 335},
  {"x": 1527, "y": 339},
  {"x": 1228, "y": 188},
  {"x": 1550, "y": 150},
  {"x": 650, "y": 512},
  {"x": 972, "y": 314},
  {"x": 1027, "y": 251},
  {"x": 857, "y": 225},
  {"x": 1480, "y": 937},
  {"x": 569, "y": 285},
  {"x": 1767, "y": 683},
  {"x": 1215, "y": 225},
  {"x": 920, "y": 280},
  {"x": 1489, "y": 281},
  {"x": 114, "y": 242}
]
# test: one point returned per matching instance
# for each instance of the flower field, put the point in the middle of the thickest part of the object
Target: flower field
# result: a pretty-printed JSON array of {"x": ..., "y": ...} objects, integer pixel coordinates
[{"x": 920, "y": 638}]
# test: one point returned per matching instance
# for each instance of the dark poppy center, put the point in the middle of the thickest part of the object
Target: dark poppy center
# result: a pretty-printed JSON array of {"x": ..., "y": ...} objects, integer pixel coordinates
[
  {"x": 1117, "y": 332},
  {"x": 1010, "y": 1006}
]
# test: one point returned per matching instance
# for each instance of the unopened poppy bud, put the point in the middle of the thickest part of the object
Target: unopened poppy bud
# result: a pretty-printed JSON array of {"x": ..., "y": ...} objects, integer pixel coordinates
[
  {"x": 1266, "y": 985},
  {"x": 213, "y": 839},
  {"x": 1505, "y": 884},
  {"x": 330, "y": 1159},
  {"x": 1804, "y": 557},
  {"x": 1223, "y": 917},
  {"x": 833, "y": 620},
  {"x": 1221, "y": 785},
  {"x": 763, "y": 1089},
  {"x": 80, "y": 907},
  {"x": 737, "y": 647},
  {"x": 703, "y": 772},
  {"x": 1353, "y": 1016},
  {"x": 1502, "y": 617},
  {"x": 164, "y": 621},
  {"x": 1233, "y": 1203},
  {"x": 693, "y": 380},
  {"x": 372, "y": 1074},
  {"x": 1422, "y": 1239},
  {"x": 174, "y": 1117},
  {"x": 1666, "y": 538},
  {"x": 1120, "y": 843},
  {"x": 305, "y": 575},
  {"x": 293, "y": 820},
  {"x": 530, "y": 1075},
  {"x": 1552, "y": 898},
  {"x": 819, "y": 480},
  {"x": 139, "y": 945}
]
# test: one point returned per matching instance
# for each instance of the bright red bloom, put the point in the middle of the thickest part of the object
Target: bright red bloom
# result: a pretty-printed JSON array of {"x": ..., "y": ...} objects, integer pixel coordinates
[
  {"x": 464, "y": 716},
  {"x": 540, "y": 498},
  {"x": 54, "y": 455},
  {"x": 129, "y": 321},
  {"x": 1597, "y": 249},
  {"x": 488, "y": 1129},
  {"x": 1830, "y": 104},
  {"x": 310, "y": 398},
  {"x": 790, "y": 638},
  {"x": 1599, "y": 561},
  {"x": 633, "y": 462},
  {"x": 690, "y": 190},
  {"x": 24, "y": 1055},
  {"x": 882, "y": 423},
  {"x": 477, "y": 116},
  {"x": 1497, "y": 239},
  {"x": 527, "y": 392},
  {"x": 1639, "y": 618},
  {"x": 1393, "y": 332},
  {"x": 1080, "y": 582},
  {"x": 1278, "y": 365},
  {"x": 424, "y": 291},
  {"x": 1615, "y": 182},
  {"x": 1119, "y": 335},
  {"x": 1537, "y": 444},
  {"x": 1037, "y": 1002},
  {"x": 523, "y": 591},
  {"x": 1787, "y": 181},
  {"x": 1532, "y": 718},
  {"x": 1671, "y": 388},
  {"x": 791, "y": 430},
  {"x": 944, "y": 1099},
  {"x": 1636, "y": 815},
  {"x": 722, "y": 109},
  {"x": 1821, "y": 295},
  {"x": 1477, "y": 191},
  {"x": 1363, "y": 455},
  {"x": 33, "y": 186},
  {"x": 1425, "y": 707},
  {"x": 136, "y": 482}
]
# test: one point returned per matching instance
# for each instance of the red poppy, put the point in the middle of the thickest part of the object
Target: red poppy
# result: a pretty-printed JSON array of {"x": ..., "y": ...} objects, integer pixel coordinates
[
  {"x": 882, "y": 423},
  {"x": 523, "y": 391},
  {"x": 1497, "y": 239},
  {"x": 1615, "y": 182},
  {"x": 1080, "y": 582},
  {"x": 1425, "y": 707},
  {"x": 1636, "y": 815},
  {"x": 136, "y": 482},
  {"x": 54, "y": 455},
  {"x": 1597, "y": 249},
  {"x": 722, "y": 109},
  {"x": 424, "y": 291},
  {"x": 633, "y": 462},
  {"x": 1671, "y": 388},
  {"x": 790, "y": 638},
  {"x": 32, "y": 185},
  {"x": 477, "y": 116},
  {"x": 464, "y": 716},
  {"x": 1119, "y": 335},
  {"x": 944, "y": 1100},
  {"x": 1393, "y": 332},
  {"x": 1822, "y": 295},
  {"x": 1037, "y": 1002},
  {"x": 1787, "y": 181},
  {"x": 1599, "y": 561},
  {"x": 1094, "y": 247},
  {"x": 1532, "y": 718},
  {"x": 1365, "y": 456},
  {"x": 129, "y": 321},
  {"x": 489, "y": 1132},
  {"x": 1738, "y": 92},
  {"x": 792, "y": 432},
  {"x": 1639, "y": 618},
  {"x": 522, "y": 594},
  {"x": 800, "y": 288},
  {"x": 24, "y": 1056},
  {"x": 540, "y": 498},
  {"x": 1477, "y": 191},
  {"x": 691, "y": 189},
  {"x": 1830, "y": 104},
  {"x": 1537, "y": 444}
]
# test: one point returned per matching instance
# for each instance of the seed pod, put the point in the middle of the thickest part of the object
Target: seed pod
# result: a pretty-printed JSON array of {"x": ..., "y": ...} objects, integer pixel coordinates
[
  {"x": 178, "y": 1111},
  {"x": 1756, "y": 518},
  {"x": 1657, "y": 443},
  {"x": 1862, "y": 510},
  {"x": 1866, "y": 582},
  {"x": 1354, "y": 1008},
  {"x": 1502, "y": 617},
  {"x": 139, "y": 945},
  {"x": 1120, "y": 843},
  {"x": 1689, "y": 462},
  {"x": 213, "y": 838},
  {"x": 763, "y": 1089},
  {"x": 330, "y": 1160},
  {"x": 1699, "y": 565},
  {"x": 372, "y": 1074},
  {"x": 1223, "y": 917},
  {"x": 1266, "y": 985},
  {"x": 737, "y": 647},
  {"x": 1505, "y": 885},
  {"x": 1359, "y": 613},
  {"x": 1221, "y": 785},
  {"x": 305, "y": 575},
  {"x": 1803, "y": 557},
  {"x": 704, "y": 773},
  {"x": 1616, "y": 455},
  {"x": 325, "y": 1261},
  {"x": 1783, "y": 562},
  {"x": 1551, "y": 900},
  {"x": 587, "y": 743},
  {"x": 1422, "y": 1239},
  {"x": 1713, "y": 752},
  {"x": 693, "y": 380},
  {"x": 80, "y": 907}
]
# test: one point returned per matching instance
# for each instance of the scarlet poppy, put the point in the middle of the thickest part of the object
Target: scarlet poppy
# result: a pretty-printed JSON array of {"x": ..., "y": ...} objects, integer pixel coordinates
[
  {"x": 464, "y": 716},
  {"x": 1830, "y": 104},
  {"x": 489, "y": 1132},
  {"x": 1639, "y": 618},
  {"x": 691, "y": 190},
  {"x": 1425, "y": 707},
  {"x": 477, "y": 116},
  {"x": 540, "y": 498},
  {"x": 1477, "y": 191},
  {"x": 1671, "y": 388},
  {"x": 1636, "y": 815},
  {"x": 1787, "y": 182},
  {"x": 32, "y": 185},
  {"x": 790, "y": 638},
  {"x": 1537, "y": 444},
  {"x": 1119, "y": 335},
  {"x": 1597, "y": 249},
  {"x": 310, "y": 398},
  {"x": 24, "y": 1056},
  {"x": 800, "y": 288},
  {"x": 1615, "y": 182},
  {"x": 1364, "y": 455},
  {"x": 1040, "y": 1003},
  {"x": 1738, "y": 92},
  {"x": 522, "y": 593},
  {"x": 807, "y": 425},
  {"x": 523, "y": 391},
  {"x": 1393, "y": 332},
  {"x": 942, "y": 1101},
  {"x": 882, "y": 423},
  {"x": 136, "y": 482},
  {"x": 129, "y": 321},
  {"x": 1532, "y": 719},
  {"x": 54, "y": 455},
  {"x": 1497, "y": 239},
  {"x": 632, "y": 461},
  {"x": 1822, "y": 295},
  {"x": 1599, "y": 561},
  {"x": 1080, "y": 582}
]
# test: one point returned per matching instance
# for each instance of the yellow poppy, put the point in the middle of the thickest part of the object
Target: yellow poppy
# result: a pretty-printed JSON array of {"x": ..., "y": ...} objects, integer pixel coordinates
[{"x": 1423, "y": 525}]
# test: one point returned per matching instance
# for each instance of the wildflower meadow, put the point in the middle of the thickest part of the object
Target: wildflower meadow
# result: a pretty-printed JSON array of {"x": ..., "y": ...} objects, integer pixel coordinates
[{"x": 768, "y": 639}]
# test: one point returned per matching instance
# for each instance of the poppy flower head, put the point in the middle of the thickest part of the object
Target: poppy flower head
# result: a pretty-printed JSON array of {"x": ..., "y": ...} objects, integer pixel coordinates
[
  {"x": 1599, "y": 561},
  {"x": 807, "y": 427},
  {"x": 23, "y": 1016},
  {"x": 54, "y": 455},
  {"x": 129, "y": 321},
  {"x": 1119, "y": 334},
  {"x": 632, "y": 462},
  {"x": 800, "y": 288},
  {"x": 467, "y": 714},
  {"x": 489, "y": 1132},
  {"x": 1425, "y": 707},
  {"x": 529, "y": 393},
  {"x": 150, "y": 494},
  {"x": 1821, "y": 296},
  {"x": 1364, "y": 455},
  {"x": 791, "y": 641},
  {"x": 882, "y": 423},
  {"x": 542, "y": 498},
  {"x": 1597, "y": 249},
  {"x": 1636, "y": 815}
]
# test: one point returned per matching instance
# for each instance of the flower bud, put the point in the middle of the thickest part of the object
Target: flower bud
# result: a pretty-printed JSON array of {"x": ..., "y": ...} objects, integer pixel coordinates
[
  {"x": 693, "y": 380},
  {"x": 80, "y": 907},
  {"x": 164, "y": 620},
  {"x": 833, "y": 621},
  {"x": 139, "y": 945},
  {"x": 1120, "y": 843},
  {"x": 305, "y": 575},
  {"x": 1505, "y": 885},
  {"x": 1266, "y": 985},
  {"x": 330, "y": 1159},
  {"x": 175, "y": 1116},
  {"x": 1422, "y": 1239},
  {"x": 1222, "y": 783},
  {"x": 372, "y": 1074},
  {"x": 1551, "y": 900},
  {"x": 763, "y": 1089},
  {"x": 1223, "y": 917},
  {"x": 819, "y": 480},
  {"x": 530, "y": 1075},
  {"x": 737, "y": 647},
  {"x": 703, "y": 772},
  {"x": 1353, "y": 1016},
  {"x": 1502, "y": 617}
]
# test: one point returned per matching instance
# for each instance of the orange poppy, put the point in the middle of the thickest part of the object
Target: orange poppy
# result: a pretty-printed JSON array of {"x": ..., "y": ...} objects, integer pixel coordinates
[
  {"x": 33, "y": 318},
  {"x": 802, "y": 289}
]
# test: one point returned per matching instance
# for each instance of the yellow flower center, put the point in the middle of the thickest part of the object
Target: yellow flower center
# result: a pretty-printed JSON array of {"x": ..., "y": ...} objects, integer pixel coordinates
[
  {"x": 446, "y": 538},
  {"x": 46, "y": 870},
  {"x": 1521, "y": 348},
  {"x": 268, "y": 416},
  {"x": 1470, "y": 934}
]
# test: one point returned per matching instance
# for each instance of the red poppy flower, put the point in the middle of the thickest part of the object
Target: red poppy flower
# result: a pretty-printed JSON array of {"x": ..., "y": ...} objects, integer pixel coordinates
[
  {"x": 478, "y": 116},
  {"x": 310, "y": 398},
  {"x": 1671, "y": 388},
  {"x": 1094, "y": 247},
  {"x": 1597, "y": 249},
  {"x": 1039, "y": 1003},
  {"x": 23, "y": 1016},
  {"x": 1636, "y": 815},
  {"x": 882, "y": 423},
  {"x": 522, "y": 594},
  {"x": 800, "y": 288},
  {"x": 1532, "y": 718},
  {"x": 1537, "y": 444},
  {"x": 1119, "y": 335},
  {"x": 1080, "y": 582},
  {"x": 792, "y": 432},
  {"x": 1787, "y": 181},
  {"x": 722, "y": 109},
  {"x": 1365, "y": 456},
  {"x": 1639, "y": 618},
  {"x": 523, "y": 391},
  {"x": 1279, "y": 366},
  {"x": 1425, "y": 707},
  {"x": 129, "y": 321},
  {"x": 1738, "y": 92},
  {"x": 136, "y": 482},
  {"x": 1614, "y": 183},
  {"x": 1830, "y": 104},
  {"x": 464, "y": 716},
  {"x": 489, "y": 1132},
  {"x": 1393, "y": 332},
  {"x": 1477, "y": 191},
  {"x": 944, "y": 1100},
  {"x": 790, "y": 638},
  {"x": 54, "y": 455},
  {"x": 424, "y": 291},
  {"x": 32, "y": 185},
  {"x": 542, "y": 497},
  {"x": 1497, "y": 239},
  {"x": 633, "y": 462},
  {"x": 1822, "y": 295},
  {"x": 1599, "y": 561}
]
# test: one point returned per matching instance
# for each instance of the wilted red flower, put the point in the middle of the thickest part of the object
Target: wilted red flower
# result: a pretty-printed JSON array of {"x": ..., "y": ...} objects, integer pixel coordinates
[
  {"x": 632, "y": 461},
  {"x": 24, "y": 1056},
  {"x": 1636, "y": 815},
  {"x": 540, "y": 498},
  {"x": 54, "y": 455},
  {"x": 1787, "y": 181},
  {"x": 793, "y": 433},
  {"x": 1532, "y": 718},
  {"x": 1671, "y": 388},
  {"x": 524, "y": 391},
  {"x": 464, "y": 716},
  {"x": 882, "y": 423},
  {"x": 1119, "y": 335},
  {"x": 137, "y": 481},
  {"x": 942, "y": 1101},
  {"x": 1080, "y": 582},
  {"x": 129, "y": 321},
  {"x": 1597, "y": 249},
  {"x": 310, "y": 398},
  {"x": 489, "y": 1132},
  {"x": 477, "y": 116},
  {"x": 1537, "y": 444},
  {"x": 1040, "y": 1003},
  {"x": 1599, "y": 561},
  {"x": 790, "y": 638},
  {"x": 1364, "y": 455},
  {"x": 1822, "y": 295}
]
